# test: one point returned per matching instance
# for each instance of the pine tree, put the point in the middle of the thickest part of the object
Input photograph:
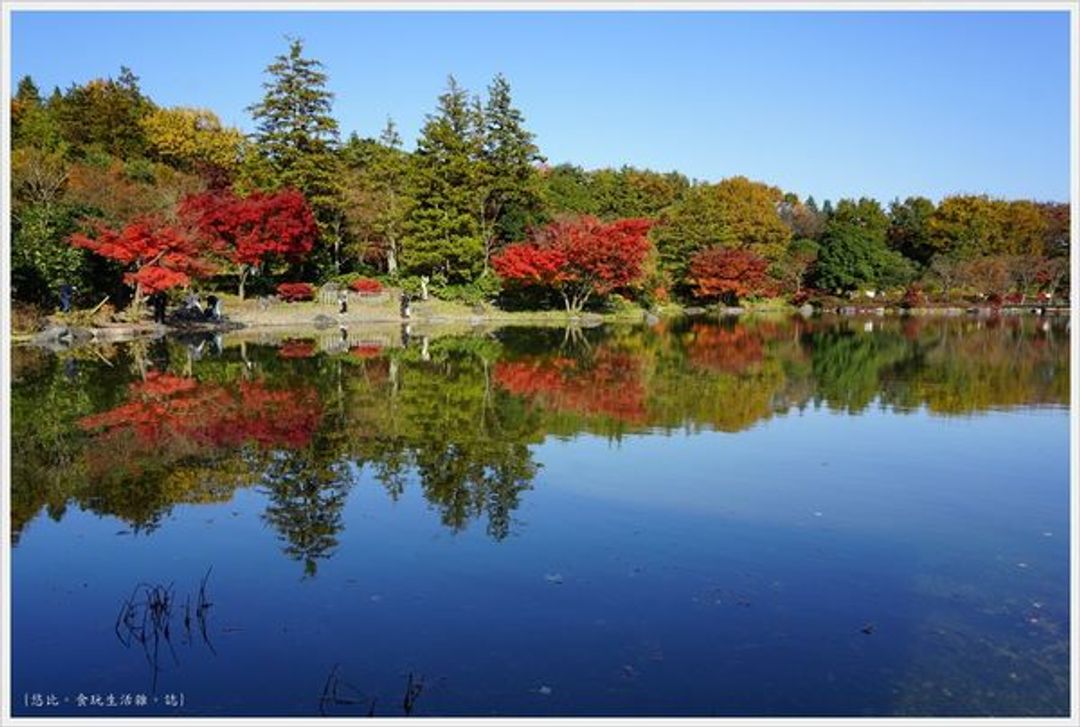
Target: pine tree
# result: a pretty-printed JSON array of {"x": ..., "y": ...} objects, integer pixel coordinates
[
  {"x": 443, "y": 235},
  {"x": 27, "y": 92},
  {"x": 389, "y": 171},
  {"x": 297, "y": 138},
  {"x": 377, "y": 195},
  {"x": 25, "y": 104},
  {"x": 511, "y": 183}
]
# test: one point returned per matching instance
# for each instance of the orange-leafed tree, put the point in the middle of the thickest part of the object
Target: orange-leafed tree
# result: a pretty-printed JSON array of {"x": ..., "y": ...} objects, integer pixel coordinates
[
  {"x": 580, "y": 258},
  {"x": 158, "y": 256},
  {"x": 728, "y": 274},
  {"x": 253, "y": 230}
]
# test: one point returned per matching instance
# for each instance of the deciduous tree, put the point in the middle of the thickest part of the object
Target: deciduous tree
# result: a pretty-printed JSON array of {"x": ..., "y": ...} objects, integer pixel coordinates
[
  {"x": 192, "y": 139},
  {"x": 251, "y": 231},
  {"x": 157, "y": 256},
  {"x": 578, "y": 257},
  {"x": 728, "y": 274},
  {"x": 736, "y": 213},
  {"x": 909, "y": 231},
  {"x": 853, "y": 253}
]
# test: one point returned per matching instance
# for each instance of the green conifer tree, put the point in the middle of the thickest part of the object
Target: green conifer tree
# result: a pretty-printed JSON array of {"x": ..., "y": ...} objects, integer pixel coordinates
[
  {"x": 296, "y": 140},
  {"x": 443, "y": 233}
]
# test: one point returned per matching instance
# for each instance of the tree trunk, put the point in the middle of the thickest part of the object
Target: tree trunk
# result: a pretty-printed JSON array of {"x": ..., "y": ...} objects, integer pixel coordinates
[
  {"x": 575, "y": 303},
  {"x": 244, "y": 269},
  {"x": 391, "y": 257},
  {"x": 136, "y": 302}
]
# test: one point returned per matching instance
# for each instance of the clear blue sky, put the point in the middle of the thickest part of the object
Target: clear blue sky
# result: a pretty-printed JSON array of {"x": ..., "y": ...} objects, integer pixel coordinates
[{"x": 830, "y": 104}]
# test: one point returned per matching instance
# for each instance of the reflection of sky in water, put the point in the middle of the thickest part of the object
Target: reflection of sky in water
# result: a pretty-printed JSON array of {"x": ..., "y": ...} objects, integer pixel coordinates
[{"x": 814, "y": 563}]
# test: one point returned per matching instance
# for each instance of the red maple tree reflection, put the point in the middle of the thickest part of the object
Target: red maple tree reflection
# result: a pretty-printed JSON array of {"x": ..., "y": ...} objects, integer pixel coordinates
[
  {"x": 724, "y": 350},
  {"x": 165, "y": 411},
  {"x": 609, "y": 383}
]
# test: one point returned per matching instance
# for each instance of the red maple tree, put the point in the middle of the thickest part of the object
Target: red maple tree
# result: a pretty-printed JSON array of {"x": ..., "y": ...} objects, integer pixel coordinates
[
  {"x": 159, "y": 256},
  {"x": 728, "y": 274},
  {"x": 250, "y": 231},
  {"x": 578, "y": 257}
]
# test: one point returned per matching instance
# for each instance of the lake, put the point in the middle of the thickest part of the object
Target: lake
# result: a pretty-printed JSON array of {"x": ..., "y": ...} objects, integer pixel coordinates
[{"x": 764, "y": 516}]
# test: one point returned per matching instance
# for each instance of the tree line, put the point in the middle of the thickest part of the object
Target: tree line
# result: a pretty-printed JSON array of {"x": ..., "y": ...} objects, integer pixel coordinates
[{"x": 120, "y": 196}]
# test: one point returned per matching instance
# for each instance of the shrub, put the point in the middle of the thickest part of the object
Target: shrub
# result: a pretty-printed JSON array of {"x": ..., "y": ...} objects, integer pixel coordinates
[
  {"x": 27, "y": 318},
  {"x": 366, "y": 286},
  {"x": 292, "y": 292},
  {"x": 801, "y": 297},
  {"x": 914, "y": 297},
  {"x": 617, "y": 303},
  {"x": 481, "y": 290}
]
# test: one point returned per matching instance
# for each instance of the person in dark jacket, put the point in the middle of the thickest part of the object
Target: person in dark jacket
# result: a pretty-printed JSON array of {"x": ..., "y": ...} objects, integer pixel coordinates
[
  {"x": 213, "y": 308},
  {"x": 157, "y": 301},
  {"x": 67, "y": 292}
]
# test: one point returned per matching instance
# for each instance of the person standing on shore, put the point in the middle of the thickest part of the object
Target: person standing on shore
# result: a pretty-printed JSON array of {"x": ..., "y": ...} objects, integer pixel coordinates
[
  {"x": 67, "y": 291},
  {"x": 157, "y": 301}
]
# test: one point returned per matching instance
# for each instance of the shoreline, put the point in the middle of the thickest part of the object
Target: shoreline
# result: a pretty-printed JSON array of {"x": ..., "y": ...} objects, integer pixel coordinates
[{"x": 60, "y": 335}]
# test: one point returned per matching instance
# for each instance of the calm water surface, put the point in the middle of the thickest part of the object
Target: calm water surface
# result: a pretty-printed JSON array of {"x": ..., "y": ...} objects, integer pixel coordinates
[{"x": 765, "y": 517}]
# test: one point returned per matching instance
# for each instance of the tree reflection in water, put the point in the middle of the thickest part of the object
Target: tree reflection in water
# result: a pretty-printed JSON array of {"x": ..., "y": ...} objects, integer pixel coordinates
[{"x": 132, "y": 430}]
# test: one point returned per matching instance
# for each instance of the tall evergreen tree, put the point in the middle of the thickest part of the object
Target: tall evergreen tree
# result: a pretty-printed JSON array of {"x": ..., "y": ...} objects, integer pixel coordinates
[
  {"x": 511, "y": 184},
  {"x": 377, "y": 195},
  {"x": 296, "y": 139},
  {"x": 390, "y": 171},
  {"x": 26, "y": 94},
  {"x": 443, "y": 232}
]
